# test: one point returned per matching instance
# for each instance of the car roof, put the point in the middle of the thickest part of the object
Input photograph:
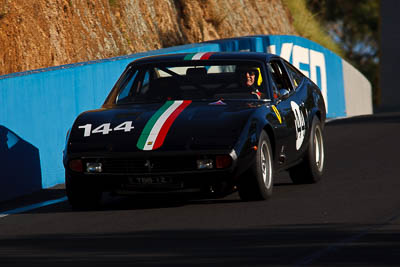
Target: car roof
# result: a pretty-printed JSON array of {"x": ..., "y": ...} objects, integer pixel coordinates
[{"x": 214, "y": 56}]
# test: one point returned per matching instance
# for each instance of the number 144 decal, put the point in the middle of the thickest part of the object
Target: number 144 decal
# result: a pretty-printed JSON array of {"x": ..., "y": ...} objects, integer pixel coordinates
[{"x": 105, "y": 128}]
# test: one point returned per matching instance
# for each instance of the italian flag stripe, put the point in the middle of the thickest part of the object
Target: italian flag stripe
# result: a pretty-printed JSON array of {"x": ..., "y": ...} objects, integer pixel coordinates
[
  {"x": 149, "y": 125},
  {"x": 206, "y": 56},
  {"x": 198, "y": 56},
  {"x": 189, "y": 56},
  {"x": 157, "y": 127},
  {"x": 165, "y": 128}
]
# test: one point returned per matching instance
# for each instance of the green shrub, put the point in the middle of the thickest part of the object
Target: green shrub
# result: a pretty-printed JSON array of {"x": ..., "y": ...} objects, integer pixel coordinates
[{"x": 307, "y": 25}]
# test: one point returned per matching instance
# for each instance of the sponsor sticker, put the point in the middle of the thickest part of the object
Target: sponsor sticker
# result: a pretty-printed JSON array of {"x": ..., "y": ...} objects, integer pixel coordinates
[{"x": 278, "y": 115}]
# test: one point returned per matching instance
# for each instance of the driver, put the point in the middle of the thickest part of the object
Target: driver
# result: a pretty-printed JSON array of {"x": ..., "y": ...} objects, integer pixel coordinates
[{"x": 249, "y": 80}]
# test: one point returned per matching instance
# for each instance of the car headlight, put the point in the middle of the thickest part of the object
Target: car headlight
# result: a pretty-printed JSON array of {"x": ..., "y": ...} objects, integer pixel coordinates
[
  {"x": 94, "y": 167},
  {"x": 205, "y": 164}
]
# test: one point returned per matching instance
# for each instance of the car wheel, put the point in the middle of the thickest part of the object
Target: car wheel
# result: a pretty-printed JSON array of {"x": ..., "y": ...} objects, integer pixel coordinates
[
  {"x": 311, "y": 169},
  {"x": 80, "y": 194},
  {"x": 257, "y": 182}
]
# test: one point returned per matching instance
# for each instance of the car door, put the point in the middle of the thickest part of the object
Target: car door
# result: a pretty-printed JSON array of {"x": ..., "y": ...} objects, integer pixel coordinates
[
  {"x": 289, "y": 106},
  {"x": 301, "y": 105}
]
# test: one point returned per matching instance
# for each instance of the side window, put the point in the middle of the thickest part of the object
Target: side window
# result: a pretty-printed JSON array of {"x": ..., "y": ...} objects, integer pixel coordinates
[
  {"x": 274, "y": 81},
  {"x": 280, "y": 79},
  {"x": 145, "y": 83},
  {"x": 136, "y": 84},
  {"x": 126, "y": 86},
  {"x": 141, "y": 86},
  {"x": 296, "y": 76}
]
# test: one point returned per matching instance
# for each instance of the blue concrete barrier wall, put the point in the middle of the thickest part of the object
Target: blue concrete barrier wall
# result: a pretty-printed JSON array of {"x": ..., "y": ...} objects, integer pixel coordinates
[{"x": 37, "y": 107}]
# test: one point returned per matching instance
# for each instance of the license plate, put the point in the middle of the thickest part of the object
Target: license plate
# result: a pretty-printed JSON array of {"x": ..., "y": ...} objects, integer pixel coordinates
[
  {"x": 159, "y": 182},
  {"x": 150, "y": 180}
]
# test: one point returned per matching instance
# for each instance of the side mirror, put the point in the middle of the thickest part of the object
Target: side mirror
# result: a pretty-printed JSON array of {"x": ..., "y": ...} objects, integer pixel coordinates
[{"x": 284, "y": 93}]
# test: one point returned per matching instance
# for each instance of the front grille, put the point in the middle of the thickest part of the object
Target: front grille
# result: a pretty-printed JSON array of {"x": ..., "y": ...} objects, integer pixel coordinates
[{"x": 152, "y": 165}]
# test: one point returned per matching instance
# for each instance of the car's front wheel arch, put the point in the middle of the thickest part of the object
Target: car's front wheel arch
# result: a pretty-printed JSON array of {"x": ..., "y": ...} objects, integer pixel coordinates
[
  {"x": 268, "y": 129},
  {"x": 257, "y": 182},
  {"x": 312, "y": 167}
]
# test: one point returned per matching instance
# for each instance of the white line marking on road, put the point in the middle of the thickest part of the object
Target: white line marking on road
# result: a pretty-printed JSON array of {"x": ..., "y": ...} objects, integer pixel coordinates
[{"x": 32, "y": 207}]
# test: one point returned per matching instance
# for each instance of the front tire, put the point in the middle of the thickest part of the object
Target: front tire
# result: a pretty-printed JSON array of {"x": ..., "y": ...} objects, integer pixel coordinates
[
  {"x": 311, "y": 169},
  {"x": 257, "y": 182}
]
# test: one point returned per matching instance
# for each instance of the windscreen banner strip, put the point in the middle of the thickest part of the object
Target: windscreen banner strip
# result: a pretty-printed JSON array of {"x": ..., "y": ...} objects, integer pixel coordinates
[{"x": 198, "y": 56}]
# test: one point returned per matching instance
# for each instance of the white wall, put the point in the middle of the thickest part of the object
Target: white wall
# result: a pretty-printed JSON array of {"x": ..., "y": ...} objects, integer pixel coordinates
[{"x": 357, "y": 91}]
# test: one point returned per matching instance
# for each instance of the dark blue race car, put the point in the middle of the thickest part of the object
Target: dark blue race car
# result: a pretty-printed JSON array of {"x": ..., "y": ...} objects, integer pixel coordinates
[{"x": 202, "y": 123}]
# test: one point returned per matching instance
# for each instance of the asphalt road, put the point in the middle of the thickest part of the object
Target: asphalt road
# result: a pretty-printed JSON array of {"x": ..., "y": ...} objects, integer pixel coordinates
[{"x": 352, "y": 217}]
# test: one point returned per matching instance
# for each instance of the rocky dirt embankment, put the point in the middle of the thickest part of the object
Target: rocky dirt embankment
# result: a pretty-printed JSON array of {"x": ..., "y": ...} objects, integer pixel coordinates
[{"x": 42, "y": 33}]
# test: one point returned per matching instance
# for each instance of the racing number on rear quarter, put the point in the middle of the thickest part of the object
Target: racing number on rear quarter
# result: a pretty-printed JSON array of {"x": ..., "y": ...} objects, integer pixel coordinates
[
  {"x": 105, "y": 128},
  {"x": 299, "y": 123}
]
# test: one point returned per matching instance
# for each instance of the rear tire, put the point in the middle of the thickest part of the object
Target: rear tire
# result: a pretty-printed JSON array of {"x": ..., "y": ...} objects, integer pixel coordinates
[
  {"x": 311, "y": 169},
  {"x": 257, "y": 183},
  {"x": 81, "y": 195}
]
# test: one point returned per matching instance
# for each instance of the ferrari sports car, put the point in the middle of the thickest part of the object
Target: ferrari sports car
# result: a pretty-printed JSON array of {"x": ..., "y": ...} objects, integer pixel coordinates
[{"x": 200, "y": 124}]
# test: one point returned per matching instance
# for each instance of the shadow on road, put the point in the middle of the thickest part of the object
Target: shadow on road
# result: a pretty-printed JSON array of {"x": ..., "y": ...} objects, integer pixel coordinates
[
  {"x": 133, "y": 202},
  {"x": 334, "y": 244}
]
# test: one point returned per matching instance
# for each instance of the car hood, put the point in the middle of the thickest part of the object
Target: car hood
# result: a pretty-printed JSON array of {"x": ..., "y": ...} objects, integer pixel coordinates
[{"x": 193, "y": 126}]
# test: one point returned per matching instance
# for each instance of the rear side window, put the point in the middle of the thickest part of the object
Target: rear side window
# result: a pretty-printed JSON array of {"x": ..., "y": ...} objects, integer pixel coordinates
[{"x": 296, "y": 76}]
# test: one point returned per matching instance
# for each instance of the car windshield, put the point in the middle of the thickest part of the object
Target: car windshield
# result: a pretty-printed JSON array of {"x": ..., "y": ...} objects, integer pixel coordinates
[{"x": 193, "y": 81}]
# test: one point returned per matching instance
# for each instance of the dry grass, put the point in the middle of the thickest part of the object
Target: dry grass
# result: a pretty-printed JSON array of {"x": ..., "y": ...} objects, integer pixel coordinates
[{"x": 308, "y": 26}]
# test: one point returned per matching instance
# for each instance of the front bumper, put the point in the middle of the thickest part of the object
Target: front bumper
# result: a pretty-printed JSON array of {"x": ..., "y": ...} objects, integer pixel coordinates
[
  {"x": 156, "y": 172},
  {"x": 160, "y": 182}
]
